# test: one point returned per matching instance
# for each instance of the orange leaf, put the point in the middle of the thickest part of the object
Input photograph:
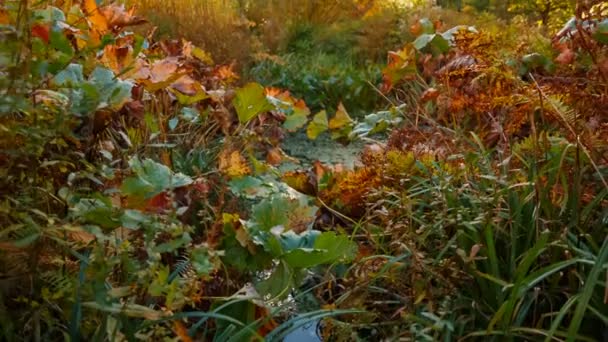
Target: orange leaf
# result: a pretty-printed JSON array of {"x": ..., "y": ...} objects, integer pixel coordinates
[
  {"x": 4, "y": 18},
  {"x": 118, "y": 17},
  {"x": 274, "y": 156},
  {"x": 158, "y": 203},
  {"x": 181, "y": 331},
  {"x": 416, "y": 29},
  {"x": 97, "y": 21},
  {"x": 429, "y": 95}
]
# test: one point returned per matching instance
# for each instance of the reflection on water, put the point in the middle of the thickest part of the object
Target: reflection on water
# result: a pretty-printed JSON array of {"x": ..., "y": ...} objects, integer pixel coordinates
[{"x": 305, "y": 333}]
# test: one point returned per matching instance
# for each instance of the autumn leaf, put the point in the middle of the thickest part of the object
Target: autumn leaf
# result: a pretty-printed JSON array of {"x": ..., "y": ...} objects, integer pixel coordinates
[
  {"x": 302, "y": 181},
  {"x": 233, "y": 164},
  {"x": 318, "y": 125},
  {"x": 429, "y": 95},
  {"x": 274, "y": 156},
  {"x": 117, "y": 58},
  {"x": 401, "y": 65},
  {"x": 226, "y": 73},
  {"x": 341, "y": 119},
  {"x": 181, "y": 331},
  {"x": 117, "y": 16},
  {"x": 97, "y": 21},
  {"x": 566, "y": 57},
  {"x": 4, "y": 17},
  {"x": 298, "y": 117},
  {"x": 41, "y": 31},
  {"x": 250, "y": 101}
]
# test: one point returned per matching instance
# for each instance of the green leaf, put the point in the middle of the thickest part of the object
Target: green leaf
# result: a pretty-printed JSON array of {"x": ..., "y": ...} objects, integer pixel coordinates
[
  {"x": 297, "y": 119},
  {"x": 601, "y": 32},
  {"x": 133, "y": 219},
  {"x": 26, "y": 241},
  {"x": 61, "y": 43},
  {"x": 249, "y": 187},
  {"x": 290, "y": 240},
  {"x": 587, "y": 292},
  {"x": 173, "y": 245},
  {"x": 98, "y": 211},
  {"x": 72, "y": 75},
  {"x": 427, "y": 26},
  {"x": 435, "y": 42},
  {"x": 328, "y": 248},
  {"x": 200, "y": 261},
  {"x": 271, "y": 213},
  {"x": 187, "y": 100},
  {"x": 250, "y": 101},
  {"x": 114, "y": 93},
  {"x": 151, "y": 179},
  {"x": 173, "y": 123},
  {"x": 190, "y": 114},
  {"x": 318, "y": 125},
  {"x": 278, "y": 285}
]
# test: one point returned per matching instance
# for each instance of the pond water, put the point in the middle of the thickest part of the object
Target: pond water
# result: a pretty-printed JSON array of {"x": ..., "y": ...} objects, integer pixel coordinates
[
  {"x": 306, "y": 333},
  {"x": 322, "y": 149}
]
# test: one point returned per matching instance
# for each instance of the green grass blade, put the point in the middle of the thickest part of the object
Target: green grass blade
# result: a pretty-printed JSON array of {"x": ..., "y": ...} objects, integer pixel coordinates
[
  {"x": 587, "y": 292},
  {"x": 560, "y": 316}
]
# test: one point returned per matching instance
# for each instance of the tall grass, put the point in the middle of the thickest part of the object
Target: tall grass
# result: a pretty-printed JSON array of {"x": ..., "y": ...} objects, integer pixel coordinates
[{"x": 217, "y": 26}]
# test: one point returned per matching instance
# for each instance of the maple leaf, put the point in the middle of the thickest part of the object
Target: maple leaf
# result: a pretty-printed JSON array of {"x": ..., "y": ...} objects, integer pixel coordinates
[
  {"x": 117, "y": 16},
  {"x": 226, "y": 73},
  {"x": 97, "y": 21}
]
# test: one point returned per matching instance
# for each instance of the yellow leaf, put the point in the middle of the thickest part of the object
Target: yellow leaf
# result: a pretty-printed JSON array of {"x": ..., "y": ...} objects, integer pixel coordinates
[
  {"x": 233, "y": 164},
  {"x": 341, "y": 118},
  {"x": 318, "y": 125},
  {"x": 97, "y": 21}
]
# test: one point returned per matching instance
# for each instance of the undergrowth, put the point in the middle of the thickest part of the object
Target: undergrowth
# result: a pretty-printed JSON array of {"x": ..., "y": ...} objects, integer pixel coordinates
[{"x": 141, "y": 198}]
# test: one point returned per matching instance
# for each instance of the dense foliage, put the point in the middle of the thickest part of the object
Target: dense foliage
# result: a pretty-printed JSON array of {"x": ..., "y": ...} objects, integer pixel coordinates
[{"x": 141, "y": 196}]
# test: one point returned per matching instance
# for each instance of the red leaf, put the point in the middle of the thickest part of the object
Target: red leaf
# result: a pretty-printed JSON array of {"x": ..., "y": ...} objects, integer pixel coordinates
[
  {"x": 158, "y": 203},
  {"x": 42, "y": 32}
]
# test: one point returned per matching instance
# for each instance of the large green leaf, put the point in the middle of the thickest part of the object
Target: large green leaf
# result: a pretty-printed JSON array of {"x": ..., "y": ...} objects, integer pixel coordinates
[
  {"x": 433, "y": 42},
  {"x": 250, "y": 101},
  {"x": 101, "y": 90},
  {"x": 97, "y": 211},
  {"x": 328, "y": 248},
  {"x": 114, "y": 93},
  {"x": 279, "y": 284},
  {"x": 152, "y": 178},
  {"x": 72, "y": 75}
]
